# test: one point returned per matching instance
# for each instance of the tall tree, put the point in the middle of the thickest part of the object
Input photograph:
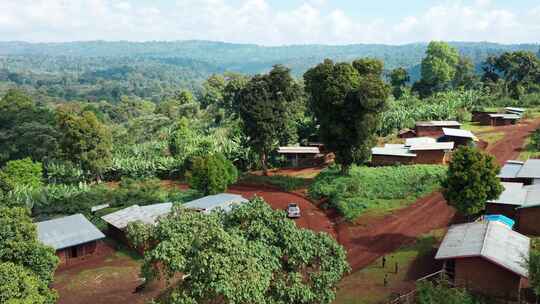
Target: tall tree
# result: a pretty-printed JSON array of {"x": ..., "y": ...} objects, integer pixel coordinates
[
  {"x": 266, "y": 106},
  {"x": 26, "y": 129},
  {"x": 472, "y": 180},
  {"x": 212, "y": 174},
  {"x": 252, "y": 254},
  {"x": 347, "y": 105},
  {"x": 520, "y": 71},
  {"x": 438, "y": 68},
  {"x": 85, "y": 141},
  {"x": 21, "y": 246},
  {"x": 465, "y": 76},
  {"x": 399, "y": 78}
]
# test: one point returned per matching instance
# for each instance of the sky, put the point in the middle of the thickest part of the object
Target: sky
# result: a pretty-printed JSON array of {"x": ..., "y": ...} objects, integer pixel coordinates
[{"x": 272, "y": 22}]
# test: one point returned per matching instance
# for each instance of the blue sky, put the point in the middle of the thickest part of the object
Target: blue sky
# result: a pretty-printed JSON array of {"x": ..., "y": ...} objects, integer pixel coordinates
[{"x": 272, "y": 22}]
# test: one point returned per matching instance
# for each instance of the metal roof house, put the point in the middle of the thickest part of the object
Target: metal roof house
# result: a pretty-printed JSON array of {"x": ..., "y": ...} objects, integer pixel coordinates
[
  {"x": 119, "y": 220},
  {"x": 521, "y": 203},
  {"x": 434, "y": 128},
  {"x": 502, "y": 119},
  {"x": 514, "y": 110},
  {"x": 302, "y": 156},
  {"x": 527, "y": 172},
  {"x": 419, "y": 150},
  {"x": 458, "y": 136},
  {"x": 73, "y": 237},
  {"x": 487, "y": 257},
  {"x": 222, "y": 201}
]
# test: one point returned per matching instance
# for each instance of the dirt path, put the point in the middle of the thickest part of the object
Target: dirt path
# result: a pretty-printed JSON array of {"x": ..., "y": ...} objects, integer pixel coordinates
[
  {"x": 312, "y": 217},
  {"x": 512, "y": 143}
]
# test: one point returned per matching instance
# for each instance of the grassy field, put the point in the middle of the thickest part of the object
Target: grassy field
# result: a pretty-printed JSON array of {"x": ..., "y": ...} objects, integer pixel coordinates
[
  {"x": 282, "y": 182},
  {"x": 492, "y": 137},
  {"x": 529, "y": 151},
  {"x": 414, "y": 261},
  {"x": 476, "y": 127},
  {"x": 376, "y": 190}
]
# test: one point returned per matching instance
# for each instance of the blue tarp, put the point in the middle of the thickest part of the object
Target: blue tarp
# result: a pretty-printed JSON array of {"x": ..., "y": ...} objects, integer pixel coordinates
[{"x": 500, "y": 218}]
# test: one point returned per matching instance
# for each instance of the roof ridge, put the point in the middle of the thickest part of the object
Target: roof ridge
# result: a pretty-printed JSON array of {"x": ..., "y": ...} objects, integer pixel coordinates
[{"x": 484, "y": 238}]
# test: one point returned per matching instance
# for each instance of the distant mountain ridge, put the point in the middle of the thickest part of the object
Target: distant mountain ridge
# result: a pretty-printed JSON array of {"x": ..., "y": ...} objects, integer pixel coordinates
[{"x": 251, "y": 58}]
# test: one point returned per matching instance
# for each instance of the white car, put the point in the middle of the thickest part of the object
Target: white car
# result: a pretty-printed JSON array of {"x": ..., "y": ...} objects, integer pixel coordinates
[{"x": 293, "y": 211}]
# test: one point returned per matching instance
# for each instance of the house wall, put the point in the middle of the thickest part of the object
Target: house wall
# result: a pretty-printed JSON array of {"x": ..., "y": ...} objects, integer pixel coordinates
[
  {"x": 407, "y": 134},
  {"x": 387, "y": 160},
  {"x": 431, "y": 131},
  {"x": 302, "y": 160},
  {"x": 431, "y": 157},
  {"x": 528, "y": 221},
  {"x": 117, "y": 234},
  {"x": 498, "y": 121},
  {"x": 506, "y": 210},
  {"x": 482, "y": 117},
  {"x": 482, "y": 276},
  {"x": 83, "y": 252}
]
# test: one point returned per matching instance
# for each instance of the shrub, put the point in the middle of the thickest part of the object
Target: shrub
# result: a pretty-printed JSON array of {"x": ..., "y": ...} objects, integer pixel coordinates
[
  {"x": 283, "y": 182},
  {"x": 212, "y": 174},
  {"x": 22, "y": 173},
  {"x": 375, "y": 189},
  {"x": 64, "y": 172}
]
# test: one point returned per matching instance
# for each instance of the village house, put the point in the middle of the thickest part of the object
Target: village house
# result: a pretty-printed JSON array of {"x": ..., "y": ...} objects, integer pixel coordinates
[
  {"x": 119, "y": 220},
  {"x": 527, "y": 172},
  {"x": 434, "y": 128},
  {"x": 486, "y": 257},
  {"x": 458, "y": 137},
  {"x": 222, "y": 201},
  {"x": 74, "y": 238},
  {"x": 501, "y": 119},
  {"x": 482, "y": 117},
  {"x": 302, "y": 156},
  {"x": 417, "y": 150},
  {"x": 521, "y": 203}
]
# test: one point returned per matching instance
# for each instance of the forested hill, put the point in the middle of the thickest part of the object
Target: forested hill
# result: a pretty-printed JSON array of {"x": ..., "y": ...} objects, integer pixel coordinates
[
  {"x": 107, "y": 70},
  {"x": 250, "y": 58}
]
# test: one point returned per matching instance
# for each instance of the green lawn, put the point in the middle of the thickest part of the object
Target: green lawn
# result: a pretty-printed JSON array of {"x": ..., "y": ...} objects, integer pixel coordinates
[
  {"x": 491, "y": 138},
  {"x": 528, "y": 151},
  {"x": 367, "y": 285},
  {"x": 283, "y": 182},
  {"x": 475, "y": 127}
]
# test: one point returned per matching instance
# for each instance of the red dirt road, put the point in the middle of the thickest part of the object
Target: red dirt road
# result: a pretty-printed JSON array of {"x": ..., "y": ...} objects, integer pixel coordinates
[{"x": 312, "y": 217}]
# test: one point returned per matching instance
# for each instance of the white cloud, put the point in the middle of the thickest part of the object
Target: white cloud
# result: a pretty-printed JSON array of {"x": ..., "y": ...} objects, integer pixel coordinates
[{"x": 256, "y": 21}]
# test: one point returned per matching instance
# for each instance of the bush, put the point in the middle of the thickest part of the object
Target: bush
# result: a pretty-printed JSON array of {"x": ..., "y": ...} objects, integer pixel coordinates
[
  {"x": 212, "y": 174},
  {"x": 283, "y": 182},
  {"x": 375, "y": 189},
  {"x": 22, "y": 173},
  {"x": 429, "y": 293}
]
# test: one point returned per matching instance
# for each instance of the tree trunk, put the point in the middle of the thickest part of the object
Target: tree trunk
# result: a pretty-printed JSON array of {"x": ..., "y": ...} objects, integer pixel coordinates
[
  {"x": 345, "y": 169},
  {"x": 263, "y": 163}
]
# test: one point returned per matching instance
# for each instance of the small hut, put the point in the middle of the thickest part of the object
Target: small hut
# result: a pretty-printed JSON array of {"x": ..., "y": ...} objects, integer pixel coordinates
[
  {"x": 73, "y": 237},
  {"x": 487, "y": 257},
  {"x": 302, "y": 156},
  {"x": 434, "y": 128}
]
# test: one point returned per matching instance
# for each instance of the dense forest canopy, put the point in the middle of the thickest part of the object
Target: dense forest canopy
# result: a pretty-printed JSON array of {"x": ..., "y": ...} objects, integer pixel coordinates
[{"x": 99, "y": 70}]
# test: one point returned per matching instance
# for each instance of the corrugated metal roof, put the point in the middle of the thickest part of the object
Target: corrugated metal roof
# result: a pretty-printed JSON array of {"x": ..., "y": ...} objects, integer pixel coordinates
[
  {"x": 392, "y": 151},
  {"x": 532, "y": 199},
  {"x": 433, "y": 146},
  {"x": 505, "y": 116},
  {"x": 459, "y": 133},
  {"x": 419, "y": 140},
  {"x": 67, "y": 232},
  {"x": 530, "y": 169},
  {"x": 299, "y": 150},
  {"x": 493, "y": 241},
  {"x": 513, "y": 194},
  {"x": 146, "y": 214},
  {"x": 224, "y": 201},
  {"x": 438, "y": 123},
  {"x": 510, "y": 169},
  {"x": 513, "y": 109}
]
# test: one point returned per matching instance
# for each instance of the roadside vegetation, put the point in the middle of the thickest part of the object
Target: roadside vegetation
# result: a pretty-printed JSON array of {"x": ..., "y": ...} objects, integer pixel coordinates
[
  {"x": 531, "y": 148},
  {"x": 375, "y": 190},
  {"x": 282, "y": 182}
]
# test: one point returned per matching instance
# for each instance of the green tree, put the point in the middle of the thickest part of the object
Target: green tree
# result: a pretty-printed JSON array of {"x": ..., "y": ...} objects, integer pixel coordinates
[
  {"x": 398, "y": 79},
  {"x": 266, "y": 106},
  {"x": 182, "y": 104},
  {"x": 26, "y": 129},
  {"x": 20, "y": 286},
  {"x": 533, "y": 263},
  {"x": 369, "y": 66},
  {"x": 472, "y": 180},
  {"x": 347, "y": 106},
  {"x": 212, "y": 174},
  {"x": 442, "y": 293},
  {"x": 438, "y": 68},
  {"x": 85, "y": 141},
  {"x": 465, "y": 76},
  {"x": 22, "y": 173},
  {"x": 252, "y": 254},
  {"x": 20, "y": 244},
  {"x": 519, "y": 70}
]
